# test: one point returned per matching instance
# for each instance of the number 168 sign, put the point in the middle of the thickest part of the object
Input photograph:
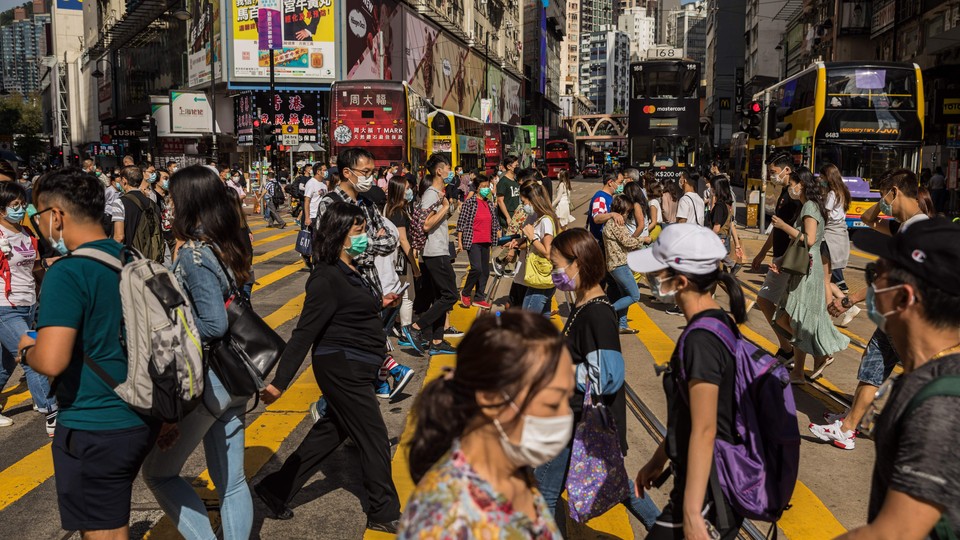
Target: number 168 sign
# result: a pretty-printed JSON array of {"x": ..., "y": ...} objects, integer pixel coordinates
[{"x": 664, "y": 53}]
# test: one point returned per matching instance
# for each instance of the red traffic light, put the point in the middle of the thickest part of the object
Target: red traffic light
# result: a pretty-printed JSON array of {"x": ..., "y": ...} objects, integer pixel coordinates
[
  {"x": 754, "y": 107},
  {"x": 256, "y": 123}
]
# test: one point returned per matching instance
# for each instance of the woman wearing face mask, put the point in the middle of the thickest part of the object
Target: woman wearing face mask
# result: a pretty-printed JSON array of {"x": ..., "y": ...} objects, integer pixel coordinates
[
  {"x": 618, "y": 240},
  {"x": 20, "y": 276},
  {"x": 341, "y": 323},
  {"x": 477, "y": 229},
  {"x": 397, "y": 210},
  {"x": 561, "y": 198},
  {"x": 685, "y": 261},
  {"x": 538, "y": 232},
  {"x": 801, "y": 312},
  {"x": 483, "y": 426},
  {"x": 591, "y": 334}
]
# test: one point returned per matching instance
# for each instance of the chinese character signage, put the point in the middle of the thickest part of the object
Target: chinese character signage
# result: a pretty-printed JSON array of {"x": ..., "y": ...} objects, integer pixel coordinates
[
  {"x": 204, "y": 27},
  {"x": 269, "y": 25},
  {"x": 243, "y": 108},
  {"x": 190, "y": 113},
  {"x": 307, "y": 53},
  {"x": 299, "y": 109},
  {"x": 371, "y": 117}
]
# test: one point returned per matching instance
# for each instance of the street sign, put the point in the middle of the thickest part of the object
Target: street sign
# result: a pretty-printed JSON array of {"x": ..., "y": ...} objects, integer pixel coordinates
[
  {"x": 723, "y": 104},
  {"x": 664, "y": 53},
  {"x": 288, "y": 139},
  {"x": 290, "y": 129}
]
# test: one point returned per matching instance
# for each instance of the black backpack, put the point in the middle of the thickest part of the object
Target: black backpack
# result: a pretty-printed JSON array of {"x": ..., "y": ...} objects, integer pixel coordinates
[
  {"x": 278, "y": 197},
  {"x": 147, "y": 235}
]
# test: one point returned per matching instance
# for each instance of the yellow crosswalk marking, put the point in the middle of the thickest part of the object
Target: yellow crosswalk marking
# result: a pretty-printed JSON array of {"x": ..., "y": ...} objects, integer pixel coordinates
[
  {"x": 264, "y": 257},
  {"x": 14, "y": 396},
  {"x": 277, "y": 275},
  {"x": 23, "y": 476},
  {"x": 278, "y": 236},
  {"x": 863, "y": 255}
]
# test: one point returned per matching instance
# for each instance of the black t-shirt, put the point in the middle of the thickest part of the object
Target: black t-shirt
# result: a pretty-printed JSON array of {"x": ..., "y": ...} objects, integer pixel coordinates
[
  {"x": 787, "y": 210},
  {"x": 706, "y": 358},
  {"x": 452, "y": 191},
  {"x": 592, "y": 328},
  {"x": 916, "y": 455},
  {"x": 399, "y": 219},
  {"x": 719, "y": 214}
]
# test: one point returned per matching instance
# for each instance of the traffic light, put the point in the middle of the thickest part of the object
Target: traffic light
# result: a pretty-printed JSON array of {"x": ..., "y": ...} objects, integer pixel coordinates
[
  {"x": 257, "y": 135},
  {"x": 777, "y": 125},
  {"x": 753, "y": 119},
  {"x": 267, "y": 135}
]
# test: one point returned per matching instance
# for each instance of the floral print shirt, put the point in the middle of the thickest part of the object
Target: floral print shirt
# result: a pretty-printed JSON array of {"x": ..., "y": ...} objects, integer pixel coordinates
[{"x": 453, "y": 502}]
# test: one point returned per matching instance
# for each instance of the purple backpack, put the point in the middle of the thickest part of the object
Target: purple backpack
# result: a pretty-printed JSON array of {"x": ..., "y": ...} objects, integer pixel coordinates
[{"x": 757, "y": 474}]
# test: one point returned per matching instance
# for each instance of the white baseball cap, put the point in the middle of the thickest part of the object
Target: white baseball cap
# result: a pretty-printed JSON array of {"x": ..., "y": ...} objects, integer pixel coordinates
[{"x": 683, "y": 247}]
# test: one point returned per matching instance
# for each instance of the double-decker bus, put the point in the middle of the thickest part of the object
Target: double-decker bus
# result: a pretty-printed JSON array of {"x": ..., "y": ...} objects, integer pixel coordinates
[
  {"x": 458, "y": 137},
  {"x": 865, "y": 118},
  {"x": 502, "y": 140},
  {"x": 384, "y": 117},
  {"x": 664, "y": 130},
  {"x": 561, "y": 155}
]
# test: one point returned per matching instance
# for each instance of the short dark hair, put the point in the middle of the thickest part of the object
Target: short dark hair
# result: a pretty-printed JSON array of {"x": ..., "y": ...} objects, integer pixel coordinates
[
  {"x": 479, "y": 179},
  {"x": 939, "y": 306},
  {"x": 349, "y": 158},
  {"x": 781, "y": 160},
  {"x": 903, "y": 179},
  {"x": 335, "y": 224},
  {"x": 11, "y": 191},
  {"x": 434, "y": 161},
  {"x": 510, "y": 160},
  {"x": 132, "y": 174},
  {"x": 81, "y": 194},
  {"x": 579, "y": 245},
  {"x": 608, "y": 177}
]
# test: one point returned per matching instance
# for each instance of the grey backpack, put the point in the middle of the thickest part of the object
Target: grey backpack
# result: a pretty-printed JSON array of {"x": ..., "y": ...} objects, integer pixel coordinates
[{"x": 164, "y": 353}]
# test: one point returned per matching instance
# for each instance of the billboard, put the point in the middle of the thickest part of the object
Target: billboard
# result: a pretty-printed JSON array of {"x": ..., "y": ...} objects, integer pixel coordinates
[
  {"x": 299, "y": 109},
  {"x": 190, "y": 112},
  {"x": 203, "y": 23},
  {"x": 373, "y": 26},
  {"x": 70, "y": 4},
  {"x": 308, "y": 53}
]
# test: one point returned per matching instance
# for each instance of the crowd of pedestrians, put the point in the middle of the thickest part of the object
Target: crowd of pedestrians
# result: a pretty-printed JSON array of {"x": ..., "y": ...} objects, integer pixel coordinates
[{"x": 500, "y": 436}]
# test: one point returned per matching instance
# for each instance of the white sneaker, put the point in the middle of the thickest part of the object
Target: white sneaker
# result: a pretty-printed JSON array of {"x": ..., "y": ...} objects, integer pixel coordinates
[
  {"x": 5, "y": 421},
  {"x": 843, "y": 320},
  {"x": 51, "y": 425},
  {"x": 833, "y": 434}
]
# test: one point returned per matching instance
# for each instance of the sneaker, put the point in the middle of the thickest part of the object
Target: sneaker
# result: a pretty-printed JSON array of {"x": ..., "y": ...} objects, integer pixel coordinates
[
  {"x": 390, "y": 527},
  {"x": 395, "y": 332},
  {"x": 482, "y": 304},
  {"x": 383, "y": 389},
  {"x": 674, "y": 310},
  {"x": 5, "y": 421},
  {"x": 275, "y": 509},
  {"x": 318, "y": 409},
  {"x": 51, "y": 423},
  {"x": 442, "y": 348},
  {"x": 832, "y": 417},
  {"x": 401, "y": 376},
  {"x": 413, "y": 338},
  {"x": 451, "y": 331},
  {"x": 844, "y": 320},
  {"x": 833, "y": 434},
  {"x": 628, "y": 330},
  {"x": 465, "y": 301}
]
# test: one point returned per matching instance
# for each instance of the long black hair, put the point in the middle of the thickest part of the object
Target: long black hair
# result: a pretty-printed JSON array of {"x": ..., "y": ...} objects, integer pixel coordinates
[
  {"x": 334, "y": 226},
  {"x": 206, "y": 210},
  {"x": 396, "y": 196},
  {"x": 499, "y": 354},
  {"x": 633, "y": 191},
  {"x": 811, "y": 188},
  {"x": 721, "y": 189}
]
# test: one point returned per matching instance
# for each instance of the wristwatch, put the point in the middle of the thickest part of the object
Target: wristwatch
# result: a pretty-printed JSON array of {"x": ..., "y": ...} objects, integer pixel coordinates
[
  {"x": 846, "y": 303},
  {"x": 23, "y": 355}
]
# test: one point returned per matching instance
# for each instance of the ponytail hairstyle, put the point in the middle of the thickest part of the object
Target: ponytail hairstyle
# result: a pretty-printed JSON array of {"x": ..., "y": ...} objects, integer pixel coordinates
[
  {"x": 503, "y": 354},
  {"x": 707, "y": 284},
  {"x": 830, "y": 174},
  {"x": 540, "y": 200}
]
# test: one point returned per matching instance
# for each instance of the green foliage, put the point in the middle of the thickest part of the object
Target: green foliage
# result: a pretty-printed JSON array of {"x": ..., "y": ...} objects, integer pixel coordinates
[{"x": 22, "y": 118}]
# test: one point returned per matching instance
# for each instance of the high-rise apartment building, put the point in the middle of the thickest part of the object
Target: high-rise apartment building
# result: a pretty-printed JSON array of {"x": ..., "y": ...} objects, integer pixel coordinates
[
  {"x": 687, "y": 30},
  {"x": 640, "y": 25},
  {"x": 762, "y": 40},
  {"x": 724, "y": 59},
  {"x": 23, "y": 43},
  {"x": 605, "y": 70}
]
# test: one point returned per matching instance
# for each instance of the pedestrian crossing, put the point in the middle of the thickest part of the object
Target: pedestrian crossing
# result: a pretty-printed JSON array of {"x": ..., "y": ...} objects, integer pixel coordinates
[{"x": 266, "y": 432}]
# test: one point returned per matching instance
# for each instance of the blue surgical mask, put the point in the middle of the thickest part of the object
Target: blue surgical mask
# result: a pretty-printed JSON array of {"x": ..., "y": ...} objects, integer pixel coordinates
[
  {"x": 408, "y": 195},
  {"x": 152, "y": 178},
  {"x": 880, "y": 319},
  {"x": 619, "y": 189},
  {"x": 165, "y": 185},
  {"x": 358, "y": 245},
  {"x": 449, "y": 178},
  {"x": 118, "y": 186},
  {"x": 57, "y": 244},
  {"x": 15, "y": 215},
  {"x": 885, "y": 207},
  {"x": 528, "y": 209}
]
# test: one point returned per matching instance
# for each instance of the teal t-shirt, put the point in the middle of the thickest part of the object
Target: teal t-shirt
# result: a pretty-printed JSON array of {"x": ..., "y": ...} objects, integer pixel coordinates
[{"x": 85, "y": 295}]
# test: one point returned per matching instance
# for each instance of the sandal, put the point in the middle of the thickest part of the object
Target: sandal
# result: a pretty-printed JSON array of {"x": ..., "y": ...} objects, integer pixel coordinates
[{"x": 818, "y": 370}]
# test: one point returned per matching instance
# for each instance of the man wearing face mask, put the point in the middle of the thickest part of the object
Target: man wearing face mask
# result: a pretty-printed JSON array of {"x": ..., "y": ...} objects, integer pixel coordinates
[
  {"x": 898, "y": 190},
  {"x": 915, "y": 491},
  {"x": 150, "y": 178},
  {"x": 775, "y": 284}
]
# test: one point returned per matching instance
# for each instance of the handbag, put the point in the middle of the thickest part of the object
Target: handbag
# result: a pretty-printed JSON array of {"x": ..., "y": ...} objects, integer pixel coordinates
[
  {"x": 597, "y": 477},
  {"x": 537, "y": 271},
  {"x": 250, "y": 349},
  {"x": 305, "y": 242},
  {"x": 796, "y": 260}
]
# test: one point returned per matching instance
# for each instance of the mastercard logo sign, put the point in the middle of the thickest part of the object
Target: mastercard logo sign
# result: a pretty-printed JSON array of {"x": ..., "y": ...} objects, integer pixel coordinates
[{"x": 649, "y": 109}]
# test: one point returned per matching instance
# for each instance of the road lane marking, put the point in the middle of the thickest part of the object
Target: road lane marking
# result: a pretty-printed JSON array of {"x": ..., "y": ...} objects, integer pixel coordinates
[
  {"x": 264, "y": 257},
  {"x": 863, "y": 255},
  {"x": 278, "y": 236},
  {"x": 277, "y": 275}
]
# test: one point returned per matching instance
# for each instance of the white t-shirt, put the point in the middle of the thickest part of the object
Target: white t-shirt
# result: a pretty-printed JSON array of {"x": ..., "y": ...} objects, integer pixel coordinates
[
  {"x": 543, "y": 228},
  {"x": 835, "y": 210},
  {"x": 314, "y": 189},
  {"x": 22, "y": 257},
  {"x": 690, "y": 207},
  {"x": 439, "y": 238},
  {"x": 655, "y": 203}
]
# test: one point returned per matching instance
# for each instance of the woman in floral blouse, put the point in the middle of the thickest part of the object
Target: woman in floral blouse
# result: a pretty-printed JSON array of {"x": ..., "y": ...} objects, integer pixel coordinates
[{"x": 482, "y": 428}]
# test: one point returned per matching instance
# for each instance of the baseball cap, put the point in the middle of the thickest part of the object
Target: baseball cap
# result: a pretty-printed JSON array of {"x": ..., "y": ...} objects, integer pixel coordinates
[
  {"x": 928, "y": 249},
  {"x": 683, "y": 247}
]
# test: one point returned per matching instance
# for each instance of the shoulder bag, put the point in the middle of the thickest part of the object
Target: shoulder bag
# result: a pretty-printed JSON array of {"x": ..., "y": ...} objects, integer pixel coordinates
[
  {"x": 796, "y": 260},
  {"x": 536, "y": 273}
]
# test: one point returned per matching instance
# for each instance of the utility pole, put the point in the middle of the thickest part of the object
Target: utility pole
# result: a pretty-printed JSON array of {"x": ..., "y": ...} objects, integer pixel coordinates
[
  {"x": 213, "y": 87},
  {"x": 273, "y": 102},
  {"x": 763, "y": 180}
]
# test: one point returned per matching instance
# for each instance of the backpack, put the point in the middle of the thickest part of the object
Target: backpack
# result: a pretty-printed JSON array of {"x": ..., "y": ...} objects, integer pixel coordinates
[
  {"x": 164, "y": 353},
  {"x": 147, "y": 236},
  {"x": 417, "y": 233},
  {"x": 757, "y": 474},
  {"x": 277, "y": 196}
]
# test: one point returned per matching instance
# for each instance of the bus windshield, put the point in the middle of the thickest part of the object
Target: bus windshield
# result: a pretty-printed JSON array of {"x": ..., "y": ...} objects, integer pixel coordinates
[
  {"x": 866, "y": 161},
  {"x": 871, "y": 88},
  {"x": 673, "y": 83},
  {"x": 663, "y": 151}
]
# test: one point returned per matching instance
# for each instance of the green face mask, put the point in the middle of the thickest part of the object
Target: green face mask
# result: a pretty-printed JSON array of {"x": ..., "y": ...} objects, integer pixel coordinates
[
  {"x": 484, "y": 192},
  {"x": 358, "y": 245}
]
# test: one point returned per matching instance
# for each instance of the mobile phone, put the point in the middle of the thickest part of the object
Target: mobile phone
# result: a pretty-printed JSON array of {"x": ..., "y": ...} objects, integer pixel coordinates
[
  {"x": 401, "y": 289},
  {"x": 32, "y": 334}
]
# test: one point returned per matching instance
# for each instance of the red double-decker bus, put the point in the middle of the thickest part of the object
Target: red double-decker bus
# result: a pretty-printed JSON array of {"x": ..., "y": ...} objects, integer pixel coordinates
[
  {"x": 560, "y": 155},
  {"x": 378, "y": 115},
  {"x": 502, "y": 140}
]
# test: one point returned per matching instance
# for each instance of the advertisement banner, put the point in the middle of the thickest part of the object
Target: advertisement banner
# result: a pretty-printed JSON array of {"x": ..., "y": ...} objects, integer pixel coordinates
[
  {"x": 300, "y": 109},
  {"x": 202, "y": 22},
  {"x": 243, "y": 113},
  {"x": 269, "y": 25},
  {"x": 308, "y": 52},
  {"x": 190, "y": 112},
  {"x": 372, "y": 26},
  {"x": 382, "y": 130}
]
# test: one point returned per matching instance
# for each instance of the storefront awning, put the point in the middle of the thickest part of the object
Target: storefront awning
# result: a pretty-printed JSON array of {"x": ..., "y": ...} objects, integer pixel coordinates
[{"x": 309, "y": 147}]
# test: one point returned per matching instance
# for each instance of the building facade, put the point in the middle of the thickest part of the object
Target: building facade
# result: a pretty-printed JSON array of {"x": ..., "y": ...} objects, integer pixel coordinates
[
  {"x": 640, "y": 25},
  {"x": 23, "y": 43},
  {"x": 723, "y": 62},
  {"x": 687, "y": 30},
  {"x": 606, "y": 70}
]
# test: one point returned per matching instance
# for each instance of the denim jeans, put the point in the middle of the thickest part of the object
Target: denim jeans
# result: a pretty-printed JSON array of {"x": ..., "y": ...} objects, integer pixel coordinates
[
  {"x": 218, "y": 422},
  {"x": 624, "y": 278},
  {"x": 14, "y": 323},
  {"x": 538, "y": 300}
]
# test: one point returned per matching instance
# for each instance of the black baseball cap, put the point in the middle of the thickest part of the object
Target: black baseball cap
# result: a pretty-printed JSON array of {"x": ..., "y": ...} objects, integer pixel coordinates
[{"x": 928, "y": 249}]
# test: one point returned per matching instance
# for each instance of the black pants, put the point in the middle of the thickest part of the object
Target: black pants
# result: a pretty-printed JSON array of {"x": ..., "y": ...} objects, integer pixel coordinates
[
  {"x": 479, "y": 255},
  {"x": 353, "y": 412},
  {"x": 439, "y": 272}
]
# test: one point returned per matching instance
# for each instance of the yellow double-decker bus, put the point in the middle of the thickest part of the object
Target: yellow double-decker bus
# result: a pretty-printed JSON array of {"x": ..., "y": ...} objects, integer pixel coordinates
[
  {"x": 458, "y": 137},
  {"x": 863, "y": 118}
]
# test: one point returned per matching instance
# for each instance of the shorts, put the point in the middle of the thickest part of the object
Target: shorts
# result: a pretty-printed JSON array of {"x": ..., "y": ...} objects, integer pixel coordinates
[
  {"x": 878, "y": 360},
  {"x": 774, "y": 286},
  {"x": 94, "y": 473}
]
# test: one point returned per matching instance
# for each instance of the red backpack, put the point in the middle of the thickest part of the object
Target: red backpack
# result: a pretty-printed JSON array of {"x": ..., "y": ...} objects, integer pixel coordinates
[{"x": 416, "y": 232}]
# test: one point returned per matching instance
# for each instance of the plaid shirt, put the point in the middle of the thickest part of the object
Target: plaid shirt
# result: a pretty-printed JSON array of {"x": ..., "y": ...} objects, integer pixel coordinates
[
  {"x": 377, "y": 245},
  {"x": 468, "y": 211}
]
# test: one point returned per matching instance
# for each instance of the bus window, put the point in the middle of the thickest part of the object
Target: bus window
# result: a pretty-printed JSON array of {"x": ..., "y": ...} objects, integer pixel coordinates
[
  {"x": 871, "y": 88},
  {"x": 867, "y": 162}
]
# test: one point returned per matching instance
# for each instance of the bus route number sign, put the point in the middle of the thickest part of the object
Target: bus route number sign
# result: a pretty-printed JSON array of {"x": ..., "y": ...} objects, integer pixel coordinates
[{"x": 663, "y": 53}]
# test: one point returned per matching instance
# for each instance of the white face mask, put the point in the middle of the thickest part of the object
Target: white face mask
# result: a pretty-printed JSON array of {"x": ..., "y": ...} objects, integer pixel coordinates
[
  {"x": 668, "y": 294},
  {"x": 364, "y": 183},
  {"x": 541, "y": 440}
]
